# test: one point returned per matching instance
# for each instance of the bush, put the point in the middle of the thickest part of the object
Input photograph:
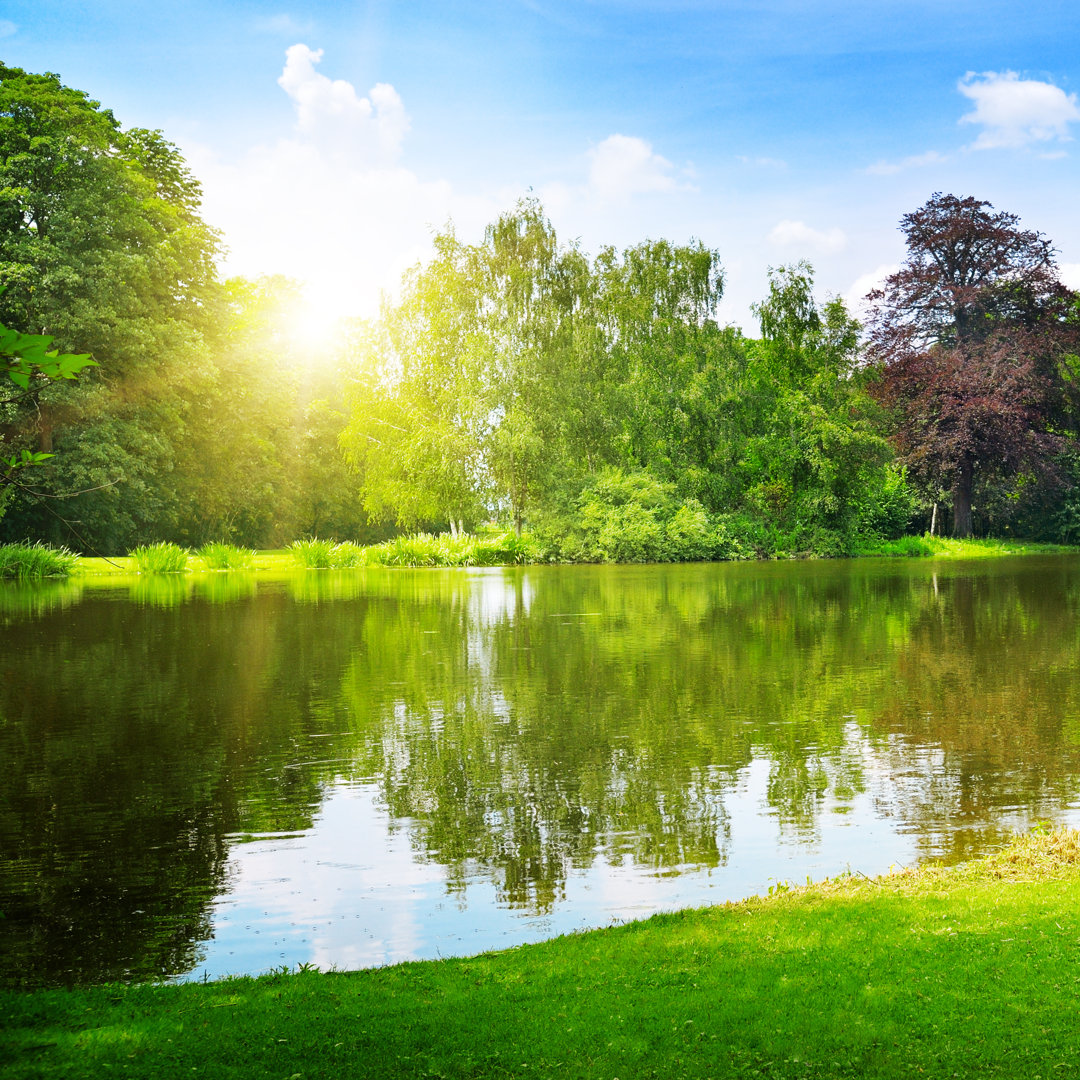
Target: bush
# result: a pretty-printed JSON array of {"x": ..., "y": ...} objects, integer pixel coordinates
[
  {"x": 635, "y": 517},
  {"x": 163, "y": 558},
  {"x": 29, "y": 562},
  {"x": 886, "y": 510},
  {"x": 905, "y": 547}
]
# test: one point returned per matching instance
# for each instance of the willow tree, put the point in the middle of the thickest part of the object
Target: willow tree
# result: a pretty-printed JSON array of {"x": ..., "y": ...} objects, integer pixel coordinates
[
  {"x": 417, "y": 427},
  {"x": 477, "y": 386},
  {"x": 975, "y": 342}
]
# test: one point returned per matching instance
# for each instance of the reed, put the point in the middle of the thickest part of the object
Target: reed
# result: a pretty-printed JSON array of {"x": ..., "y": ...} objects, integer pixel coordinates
[
  {"x": 221, "y": 556},
  {"x": 34, "y": 561},
  {"x": 161, "y": 558}
]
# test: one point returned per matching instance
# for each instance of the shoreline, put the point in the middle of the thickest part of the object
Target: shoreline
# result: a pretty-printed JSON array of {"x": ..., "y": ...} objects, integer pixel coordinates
[
  {"x": 281, "y": 560},
  {"x": 963, "y": 971}
]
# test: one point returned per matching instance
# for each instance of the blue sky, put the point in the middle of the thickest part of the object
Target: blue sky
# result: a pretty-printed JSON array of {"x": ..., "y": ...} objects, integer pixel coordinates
[{"x": 332, "y": 138}]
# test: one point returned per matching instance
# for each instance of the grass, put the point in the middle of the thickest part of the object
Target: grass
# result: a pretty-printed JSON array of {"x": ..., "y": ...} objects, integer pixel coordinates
[
  {"x": 34, "y": 561},
  {"x": 965, "y": 972},
  {"x": 163, "y": 558},
  {"x": 945, "y": 546},
  {"x": 507, "y": 549},
  {"x": 418, "y": 550},
  {"x": 221, "y": 556}
]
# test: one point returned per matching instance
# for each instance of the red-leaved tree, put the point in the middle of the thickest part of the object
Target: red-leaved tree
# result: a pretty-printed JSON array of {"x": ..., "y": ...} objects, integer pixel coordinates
[{"x": 975, "y": 337}]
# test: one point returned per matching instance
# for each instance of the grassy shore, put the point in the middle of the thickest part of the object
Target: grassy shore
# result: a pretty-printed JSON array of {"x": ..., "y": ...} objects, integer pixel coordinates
[
  {"x": 967, "y": 972},
  {"x": 439, "y": 551}
]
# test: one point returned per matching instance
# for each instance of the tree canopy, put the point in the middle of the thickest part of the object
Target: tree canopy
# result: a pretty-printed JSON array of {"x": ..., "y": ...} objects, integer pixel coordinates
[
  {"x": 976, "y": 338},
  {"x": 596, "y": 400},
  {"x": 599, "y": 401},
  {"x": 198, "y": 421}
]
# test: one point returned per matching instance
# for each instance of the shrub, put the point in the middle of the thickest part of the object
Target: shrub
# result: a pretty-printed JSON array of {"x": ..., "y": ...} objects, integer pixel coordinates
[
  {"x": 28, "y": 562},
  {"x": 162, "y": 558},
  {"x": 886, "y": 509},
  {"x": 906, "y": 546}
]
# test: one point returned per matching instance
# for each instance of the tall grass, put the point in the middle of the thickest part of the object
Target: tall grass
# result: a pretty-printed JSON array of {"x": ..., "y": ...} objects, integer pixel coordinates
[
  {"x": 316, "y": 554},
  {"x": 221, "y": 556},
  {"x": 424, "y": 549},
  {"x": 947, "y": 546},
  {"x": 163, "y": 558},
  {"x": 31, "y": 562},
  {"x": 419, "y": 549}
]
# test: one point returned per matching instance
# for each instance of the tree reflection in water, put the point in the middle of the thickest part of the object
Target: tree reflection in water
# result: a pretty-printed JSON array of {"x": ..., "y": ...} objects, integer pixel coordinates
[{"x": 521, "y": 724}]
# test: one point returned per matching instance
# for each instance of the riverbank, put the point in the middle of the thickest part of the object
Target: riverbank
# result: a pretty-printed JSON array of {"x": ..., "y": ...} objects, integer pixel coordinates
[
  {"x": 972, "y": 971},
  {"x": 445, "y": 552}
]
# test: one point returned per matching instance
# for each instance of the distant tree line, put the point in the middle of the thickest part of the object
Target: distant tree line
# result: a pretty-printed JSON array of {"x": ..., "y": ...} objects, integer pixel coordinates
[{"x": 595, "y": 401}]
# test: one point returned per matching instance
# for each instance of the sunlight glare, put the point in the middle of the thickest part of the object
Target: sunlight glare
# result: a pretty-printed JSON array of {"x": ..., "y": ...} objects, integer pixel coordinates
[{"x": 314, "y": 330}]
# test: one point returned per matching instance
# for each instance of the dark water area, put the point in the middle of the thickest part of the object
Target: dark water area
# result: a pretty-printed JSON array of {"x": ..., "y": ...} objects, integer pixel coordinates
[{"x": 217, "y": 774}]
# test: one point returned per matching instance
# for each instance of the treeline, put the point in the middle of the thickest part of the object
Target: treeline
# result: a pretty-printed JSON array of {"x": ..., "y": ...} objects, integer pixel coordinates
[
  {"x": 201, "y": 420},
  {"x": 594, "y": 401},
  {"x": 598, "y": 402}
]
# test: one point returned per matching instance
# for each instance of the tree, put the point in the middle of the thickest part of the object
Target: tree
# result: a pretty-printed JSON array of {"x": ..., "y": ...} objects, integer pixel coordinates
[
  {"x": 813, "y": 457},
  {"x": 416, "y": 430},
  {"x": 102, "y": 248},
  {"x": 29, "y": 362},
  {"x": 481, "y": 388},
  {"x": 973, "y": 336}
]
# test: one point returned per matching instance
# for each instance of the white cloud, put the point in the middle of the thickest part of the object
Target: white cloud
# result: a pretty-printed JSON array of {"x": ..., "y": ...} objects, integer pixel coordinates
[
  {"x": 1015, "y": 112},
  {"x": 797, "y": 235},
  {"x": 763, "y": 162},
  {"x": 329, "y": 203},
  {"x": 1069, "y": 274},
  {"x": 376, "y": 123},
  {"x": 7, "y": 28},
  {"x": 916, "y": 161},
  {"x": 624, "y": 165},
  {"x": 854, "y": 296}
]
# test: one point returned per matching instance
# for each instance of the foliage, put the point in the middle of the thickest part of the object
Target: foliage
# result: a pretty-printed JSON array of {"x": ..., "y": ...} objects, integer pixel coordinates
[
  {"x": 517, "y": 378},
  {"x": 633, "y": 517},
  {"x": 419, "y": 549},
  {"x": 160, "y": 558},
  {"x": 313, "y": 553},
  {"x": 29, "y": 362},
  {"x": 28, "y": 561},
  {"x": 316, "y": 554},
  {"x": 101, "y": 246},
  {"x": 976, "y": 346},
  {"x": 220, "y": 556}
]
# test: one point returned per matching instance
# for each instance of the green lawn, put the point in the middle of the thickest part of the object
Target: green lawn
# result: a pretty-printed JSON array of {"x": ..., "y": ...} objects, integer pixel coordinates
[{"x": 970, "y": 972}]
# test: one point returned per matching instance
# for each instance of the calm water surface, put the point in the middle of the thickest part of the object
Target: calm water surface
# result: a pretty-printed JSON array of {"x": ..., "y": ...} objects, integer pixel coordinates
[{"x": 213, "y": 775}]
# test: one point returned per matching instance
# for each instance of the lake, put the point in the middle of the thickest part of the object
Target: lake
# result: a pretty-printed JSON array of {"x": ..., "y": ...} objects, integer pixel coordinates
[{"x": 222, "y": 774}]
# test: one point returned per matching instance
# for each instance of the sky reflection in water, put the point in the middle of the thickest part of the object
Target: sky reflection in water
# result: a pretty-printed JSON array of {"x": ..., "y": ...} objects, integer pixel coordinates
[{"x": 356, "y": 769}]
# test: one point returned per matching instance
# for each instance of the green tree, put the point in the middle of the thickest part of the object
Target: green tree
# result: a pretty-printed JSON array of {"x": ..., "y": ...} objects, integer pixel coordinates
[
  {"x": 29, "y": 363},
  {"x": 102, "y": 248},
  {"x": 417, "y": 423},
  {"x": 814, "y": 455}
]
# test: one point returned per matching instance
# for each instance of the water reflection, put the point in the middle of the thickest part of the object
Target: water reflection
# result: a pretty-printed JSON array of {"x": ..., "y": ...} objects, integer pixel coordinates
[{"x": 522, "y": 732}]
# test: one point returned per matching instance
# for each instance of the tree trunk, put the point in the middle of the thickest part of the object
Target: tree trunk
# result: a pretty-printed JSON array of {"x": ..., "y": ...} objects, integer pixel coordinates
[{"x": 962, "y": 500}]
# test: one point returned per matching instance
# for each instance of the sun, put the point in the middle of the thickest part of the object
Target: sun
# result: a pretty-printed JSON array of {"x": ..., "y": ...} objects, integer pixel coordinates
[{"x": 314, "y": 332}]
